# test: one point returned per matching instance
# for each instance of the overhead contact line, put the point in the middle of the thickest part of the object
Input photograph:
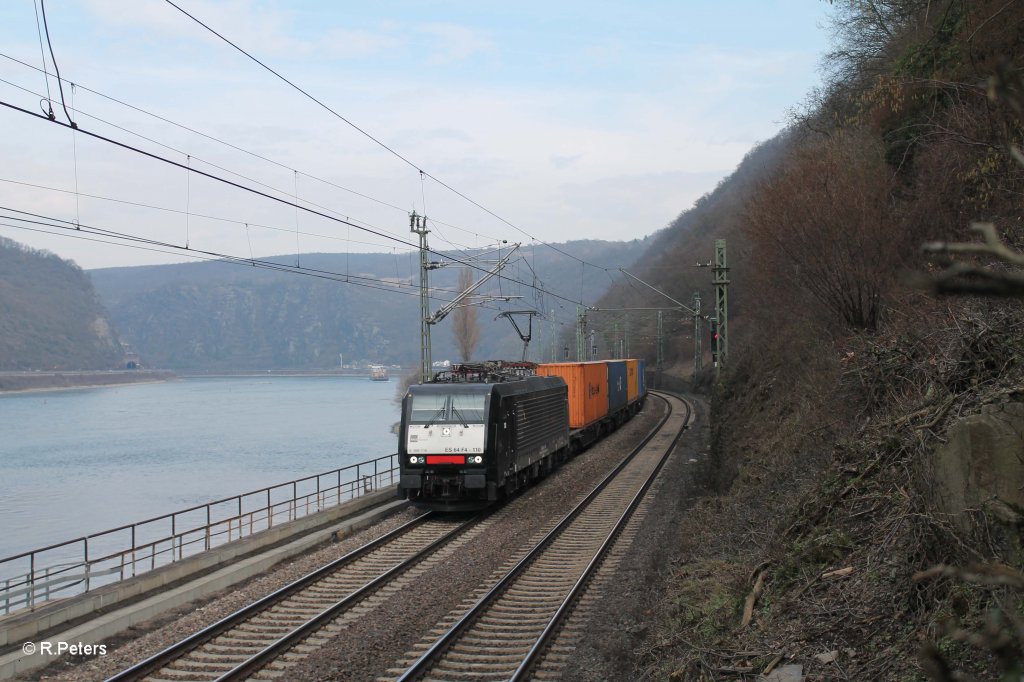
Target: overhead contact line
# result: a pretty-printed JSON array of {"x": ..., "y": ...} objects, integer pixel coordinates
[
  {"x": 271, "y": 197},
  {"x": 154, "y": 207},
  {"x": 225, "y": 143},
  {"x": 376, "y": 141},
  {"x": 147, "y": 244},
  {"x": 77, "y": 230}
]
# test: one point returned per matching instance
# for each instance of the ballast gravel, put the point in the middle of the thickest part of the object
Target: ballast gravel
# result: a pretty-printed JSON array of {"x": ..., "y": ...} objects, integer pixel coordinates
[{"x": 370, "y": 646}]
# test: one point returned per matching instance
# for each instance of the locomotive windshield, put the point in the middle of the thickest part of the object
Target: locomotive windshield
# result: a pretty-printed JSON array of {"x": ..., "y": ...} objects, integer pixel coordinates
[{"x": 453, "y": 408}]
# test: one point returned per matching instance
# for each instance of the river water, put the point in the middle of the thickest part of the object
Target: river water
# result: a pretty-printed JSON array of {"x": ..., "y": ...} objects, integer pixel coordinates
[{"x": 80, "y": 461}]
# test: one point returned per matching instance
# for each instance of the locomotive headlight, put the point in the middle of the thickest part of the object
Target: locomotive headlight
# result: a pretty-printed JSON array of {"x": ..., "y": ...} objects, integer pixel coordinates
[
  {"x": 412, "y": 460},
  {"x": 478, "y": 459}
]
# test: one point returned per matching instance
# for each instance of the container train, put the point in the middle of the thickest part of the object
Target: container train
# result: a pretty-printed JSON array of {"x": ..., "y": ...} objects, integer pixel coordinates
[{"x": 479, "y": 432}]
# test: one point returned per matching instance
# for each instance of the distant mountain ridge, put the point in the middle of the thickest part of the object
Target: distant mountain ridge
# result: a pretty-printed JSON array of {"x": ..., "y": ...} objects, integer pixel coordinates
[
  {"x": 50, "y": 315},
  {"x": 216, "y": 315}
]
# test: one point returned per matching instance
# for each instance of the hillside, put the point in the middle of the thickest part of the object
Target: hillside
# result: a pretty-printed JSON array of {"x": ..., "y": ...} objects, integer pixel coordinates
[
  {"x": 862, "y": 509},
  {"x": 216, "y": 315},
  {"x": 50, "y": 316}
]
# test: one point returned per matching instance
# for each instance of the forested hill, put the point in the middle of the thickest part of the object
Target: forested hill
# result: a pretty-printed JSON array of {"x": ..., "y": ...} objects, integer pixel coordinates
[
  {"x": 216, "y": 315},
  {"x": 866, "y": 495},
  {"x": 50, "y": 317}
]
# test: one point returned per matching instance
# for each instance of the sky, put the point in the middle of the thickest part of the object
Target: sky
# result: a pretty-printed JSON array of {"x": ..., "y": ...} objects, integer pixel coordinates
[{"x": 530, "y": 121}]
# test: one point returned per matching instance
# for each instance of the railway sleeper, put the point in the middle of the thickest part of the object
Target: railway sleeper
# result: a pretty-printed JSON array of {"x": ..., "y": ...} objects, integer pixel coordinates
[
  {"x": 209, "y": 654},
  {"x": 193, "y": 667},
  {"x": 509, "y": 650},
  {"x": 262, "y": 630},
  {"x": 241, "y": 648},
  {"x": 169, "y": 675},
  {"x": 477, "y": 664}
]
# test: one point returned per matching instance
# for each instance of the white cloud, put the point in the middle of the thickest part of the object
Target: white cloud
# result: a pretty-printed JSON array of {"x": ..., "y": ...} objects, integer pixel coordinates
[
  {"x": 613, "y": 142},
  {"x": 453, "y": 43},
  {"x": 564, "y": 162},
  {"x": 247, "y": 22},
  {"x": 347, "y": 44}
]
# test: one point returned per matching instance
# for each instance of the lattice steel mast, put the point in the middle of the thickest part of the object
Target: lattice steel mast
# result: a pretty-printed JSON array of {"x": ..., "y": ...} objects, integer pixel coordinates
[{"x": 418, "y": 225}]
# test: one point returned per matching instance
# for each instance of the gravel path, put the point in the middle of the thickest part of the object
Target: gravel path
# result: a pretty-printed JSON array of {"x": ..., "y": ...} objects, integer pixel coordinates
[{"x": 365, "y": 648}]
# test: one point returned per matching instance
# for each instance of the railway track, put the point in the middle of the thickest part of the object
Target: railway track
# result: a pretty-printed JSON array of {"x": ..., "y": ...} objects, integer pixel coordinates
[
  {"x": 505, "y": 633},
  {"x": 263, "y": 640},
  {"x": 291, "y": 622}
]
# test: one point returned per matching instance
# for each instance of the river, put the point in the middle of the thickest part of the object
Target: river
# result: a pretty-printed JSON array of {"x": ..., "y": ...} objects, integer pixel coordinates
[{"x": 79, "y": 461}]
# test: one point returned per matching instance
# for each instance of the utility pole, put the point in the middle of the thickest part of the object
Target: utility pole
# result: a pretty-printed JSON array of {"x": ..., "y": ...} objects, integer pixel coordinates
[
  {"x": 626, "y": 337},
  {"x": 720, "y": 278},
  {"x": 418, "y": 225},
  {"x": 554, "y": 338},
  {"x": 720, "y": 322},
  {"x": 698, "y": 335},
  {"x": 661, "y": 348},
  {"x": 581, "y": 331}
]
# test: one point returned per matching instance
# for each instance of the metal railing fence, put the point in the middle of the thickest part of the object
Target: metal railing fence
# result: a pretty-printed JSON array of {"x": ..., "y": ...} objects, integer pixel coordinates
[{"x": 75, "y": 566}]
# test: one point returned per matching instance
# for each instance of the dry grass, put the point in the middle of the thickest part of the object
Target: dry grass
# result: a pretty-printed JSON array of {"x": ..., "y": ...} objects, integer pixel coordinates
[{"x": 829, "y": 510}]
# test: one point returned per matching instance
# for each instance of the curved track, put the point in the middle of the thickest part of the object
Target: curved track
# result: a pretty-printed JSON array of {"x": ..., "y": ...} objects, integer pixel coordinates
[
  {"x": 239, "y": 645},
  {"x": 505, "y": 633}
]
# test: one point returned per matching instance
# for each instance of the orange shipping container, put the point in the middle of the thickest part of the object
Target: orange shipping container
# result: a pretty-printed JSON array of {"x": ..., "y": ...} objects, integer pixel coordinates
[
  {"x": 588, "y": 389},
  {"x": 632, "y": 379}
]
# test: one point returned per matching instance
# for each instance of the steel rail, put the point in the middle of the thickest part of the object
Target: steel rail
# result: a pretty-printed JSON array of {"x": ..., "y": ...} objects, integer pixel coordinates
[
  {"x": 268, "y": 654},
  {"x": 534, "y": 655},
  {"x": 197, "y": 639},
  {"x": 442, "y": 644}
]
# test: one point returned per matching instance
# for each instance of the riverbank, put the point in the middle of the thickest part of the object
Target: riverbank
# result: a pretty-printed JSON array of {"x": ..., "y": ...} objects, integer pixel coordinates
[
  {"x": 75, "y": 462},
  {"x": 230, "y": 373},
  {"x": 19, "y": 382}
]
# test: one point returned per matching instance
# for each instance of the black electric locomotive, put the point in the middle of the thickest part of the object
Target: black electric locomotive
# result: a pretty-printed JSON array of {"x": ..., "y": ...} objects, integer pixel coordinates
[{"x": 465, "y": 445}]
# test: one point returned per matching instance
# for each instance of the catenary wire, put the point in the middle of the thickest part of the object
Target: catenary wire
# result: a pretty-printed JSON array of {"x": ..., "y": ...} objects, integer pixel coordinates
[
  {"x": 265, "y": 195},
  {"x": 481, "y": 256},
  {"x": 539, "y": 289},
  {"x": 89, "y": 229},
  {"x": 42, "y": 56},
  {"x": 74, "y": 230},
  {"x": 46, "y": 28},
  {"x": 190, "y": 158},
  {"x": 374, "y": 139},
  {"x": 230, "y": 145},
  {"x": 154, "y": 207}
]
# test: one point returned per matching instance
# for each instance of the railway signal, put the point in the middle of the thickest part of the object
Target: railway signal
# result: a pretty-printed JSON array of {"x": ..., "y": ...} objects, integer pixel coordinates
[
  {"x": 714, "y": 341},
  {"x": 720, "y": 279}
]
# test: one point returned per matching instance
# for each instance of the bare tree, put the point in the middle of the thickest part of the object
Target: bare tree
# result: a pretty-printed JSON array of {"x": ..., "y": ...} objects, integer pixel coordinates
[
  {"x": 823, "y": 226},
  {"x": 965, "y": 278},
  {"x": 465, "y": 327},
  {"x": 993, "y": 278},
  {"x": 866, "y": 34}
]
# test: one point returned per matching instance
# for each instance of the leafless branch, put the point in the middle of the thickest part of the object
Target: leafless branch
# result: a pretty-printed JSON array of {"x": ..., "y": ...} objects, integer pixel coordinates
[{"x": 963, "y": 278}]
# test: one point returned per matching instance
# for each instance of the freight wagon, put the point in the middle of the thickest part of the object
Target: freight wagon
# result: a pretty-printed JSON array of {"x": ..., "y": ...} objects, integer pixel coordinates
[{"x": 475, "y": 436}]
